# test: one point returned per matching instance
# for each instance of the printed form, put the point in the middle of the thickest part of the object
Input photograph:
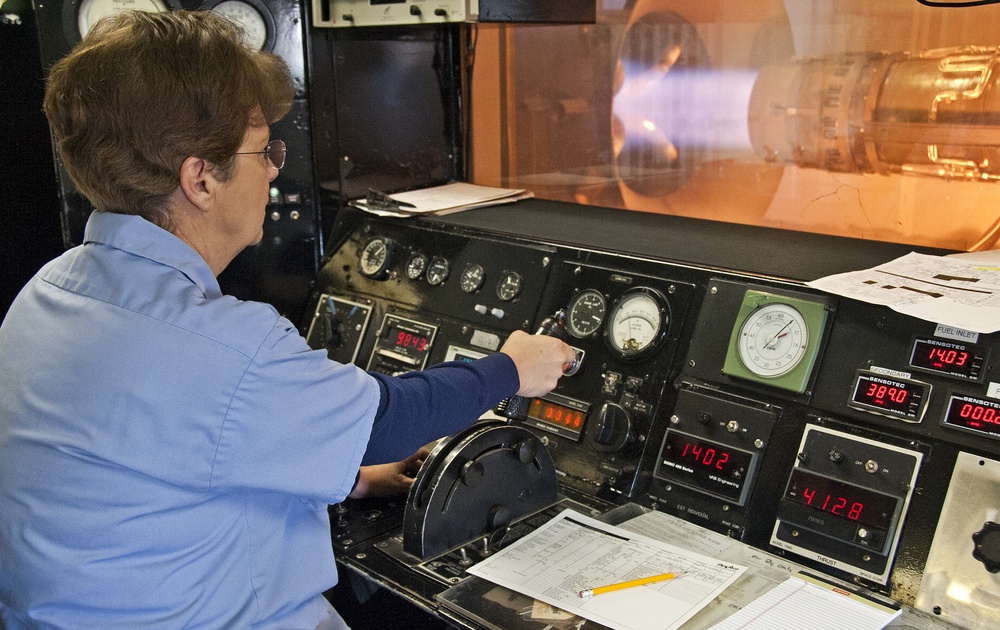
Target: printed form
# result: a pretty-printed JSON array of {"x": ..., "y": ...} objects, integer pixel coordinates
[
  {"x": 573, "y": 552},
  {"x": 962, "y": 291}
]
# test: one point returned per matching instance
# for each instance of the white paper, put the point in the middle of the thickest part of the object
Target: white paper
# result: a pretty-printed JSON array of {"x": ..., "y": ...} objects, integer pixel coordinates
[
  {"x": 573, "y": 552},
  {"x": 787, "y": 606},
  {"x": 439, "y": 200},
  {"x": 956, "y": 291}
]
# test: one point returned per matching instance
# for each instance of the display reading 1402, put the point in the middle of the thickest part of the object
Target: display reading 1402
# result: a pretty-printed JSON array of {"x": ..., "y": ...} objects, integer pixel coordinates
[
  {"x": 890, "y": 395},
  {"x": 974, "y": 414},
  {"x": 706, "y": 465},
  {"x": 949, "y": 358}
]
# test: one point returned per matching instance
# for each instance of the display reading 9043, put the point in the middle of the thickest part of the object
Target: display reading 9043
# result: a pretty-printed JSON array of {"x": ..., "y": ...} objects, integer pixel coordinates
[
  {"x": 974, "y": 414},
  {"x": 949, "y": 358},
  {"x": 890, "y": 395}
]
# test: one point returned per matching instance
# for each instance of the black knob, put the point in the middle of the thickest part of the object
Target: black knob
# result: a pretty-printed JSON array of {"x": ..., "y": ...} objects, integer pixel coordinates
[
  {"x": 472, "y": 473},
  {"x": 612, "y": 428},
  {"x": 499, "y": 516},
  {"x": 987, "y": 546},
  {"x": 414, "y": 9},
  {"x": 554, "y": 326},
  {"x": 836, "y": 456},
  {"x": 526, "y": 451}
]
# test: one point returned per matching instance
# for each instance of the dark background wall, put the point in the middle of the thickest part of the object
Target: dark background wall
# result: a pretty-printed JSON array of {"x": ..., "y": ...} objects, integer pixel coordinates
[{"x": 29, "y": 205}]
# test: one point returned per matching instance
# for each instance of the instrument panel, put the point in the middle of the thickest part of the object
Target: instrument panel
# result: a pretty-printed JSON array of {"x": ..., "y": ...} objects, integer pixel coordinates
[{"x": 811, "y": 427}]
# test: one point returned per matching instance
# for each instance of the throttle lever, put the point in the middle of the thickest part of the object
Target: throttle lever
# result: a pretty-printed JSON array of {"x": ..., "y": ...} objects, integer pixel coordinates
[{"x": 552, "y": 326}]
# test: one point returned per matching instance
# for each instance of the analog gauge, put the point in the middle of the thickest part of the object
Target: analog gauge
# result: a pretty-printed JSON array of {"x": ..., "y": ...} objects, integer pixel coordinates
[
  {"x": 776, "y": 339},
  {"x": 93, "y": 10},
  {"x": 253, "y": 17},
  {"x": 586, "y": 312},
  {"x": 416, "y": 266},
  {"x": 472, "y": 278},
  {"x": 773, "y": 340},
  {"x": 509, "y": 286},
  {"x": 437, "y": 270},
  {"x": 376, "y": 258},
  {"x": 637, "y": 322}
]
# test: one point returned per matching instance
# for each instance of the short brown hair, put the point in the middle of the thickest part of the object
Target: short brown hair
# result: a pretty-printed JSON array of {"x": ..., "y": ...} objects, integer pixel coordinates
[{"x": 145, "y": 91}]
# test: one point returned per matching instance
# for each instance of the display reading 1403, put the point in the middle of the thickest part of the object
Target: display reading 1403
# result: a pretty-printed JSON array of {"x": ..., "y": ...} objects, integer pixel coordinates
[
  {"x": 890, "y": 395},
  {"x": 974, "y": 414},
  {"x": 949, "y": 358}
]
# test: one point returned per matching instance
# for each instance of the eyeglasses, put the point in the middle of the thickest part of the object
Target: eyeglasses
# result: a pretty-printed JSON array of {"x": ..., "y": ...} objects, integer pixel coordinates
[{"x": 274, "y": 153}]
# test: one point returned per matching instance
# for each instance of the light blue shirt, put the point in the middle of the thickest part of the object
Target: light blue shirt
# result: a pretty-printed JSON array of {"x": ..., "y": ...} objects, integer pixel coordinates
[{"x": 147, "y": 441}]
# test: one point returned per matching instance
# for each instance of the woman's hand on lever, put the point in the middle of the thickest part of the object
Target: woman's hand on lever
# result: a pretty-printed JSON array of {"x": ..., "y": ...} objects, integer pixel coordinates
[{"x": 540, "y": 361}]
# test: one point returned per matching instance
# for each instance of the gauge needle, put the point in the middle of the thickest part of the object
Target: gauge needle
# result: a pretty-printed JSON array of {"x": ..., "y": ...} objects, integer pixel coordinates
[{"x": 781, "y": 333}]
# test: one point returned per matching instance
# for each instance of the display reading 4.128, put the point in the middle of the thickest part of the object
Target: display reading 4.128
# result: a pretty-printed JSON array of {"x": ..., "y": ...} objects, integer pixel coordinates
[{"x": 842, "y": 500}]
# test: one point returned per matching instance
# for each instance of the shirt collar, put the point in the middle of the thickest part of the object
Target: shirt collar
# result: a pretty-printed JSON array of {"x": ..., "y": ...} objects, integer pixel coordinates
[{"x": 136, "y": 235}]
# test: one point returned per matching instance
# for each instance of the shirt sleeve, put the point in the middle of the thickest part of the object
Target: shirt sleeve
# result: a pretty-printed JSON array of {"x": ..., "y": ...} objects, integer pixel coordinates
[
  {"x": 418, "y": 407},
  {"x": 298, "y": 422}
]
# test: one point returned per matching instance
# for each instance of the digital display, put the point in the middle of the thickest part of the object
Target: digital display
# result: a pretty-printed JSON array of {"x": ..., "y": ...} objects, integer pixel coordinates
[
  {"x": 974, "y": 414},
  {"x": 843, "y": 500},
  {"x": 890, "y": 395},
  {"x": 707, "y": 465},
  {"x": 567, "y": 419},
  {"x": 950, "y": 358},
  {"x": 406, "y": 339}
]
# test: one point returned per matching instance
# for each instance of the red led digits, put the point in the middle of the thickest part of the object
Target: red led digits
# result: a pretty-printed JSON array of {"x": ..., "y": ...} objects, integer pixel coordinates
[
  {"x": 941, "y": 357},
  {"x": 880, "y": 393},
  {"x": 843, "y": 500},
  {"x": 409, "y": 340},
  {"x": 558, "y": 415},
  {"x": 706, "y": 456}
]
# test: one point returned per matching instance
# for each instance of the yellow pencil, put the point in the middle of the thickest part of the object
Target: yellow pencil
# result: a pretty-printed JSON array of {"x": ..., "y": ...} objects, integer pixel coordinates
[{"x": 590, "y": 592}]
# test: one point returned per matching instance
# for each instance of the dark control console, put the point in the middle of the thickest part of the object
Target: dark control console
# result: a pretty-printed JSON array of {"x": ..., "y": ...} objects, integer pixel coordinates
[{"x": 838, "y": 434}]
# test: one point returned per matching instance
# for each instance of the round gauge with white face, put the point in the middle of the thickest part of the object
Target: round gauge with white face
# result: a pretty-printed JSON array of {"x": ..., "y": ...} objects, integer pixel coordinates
[
  {"x": 93, "y": 10},
  {"x": 376, "y": 258},
  {"x": 637, "y": 322},
  {"x": 585, "y": 313},
  {"x": 472, "y": 278},
  {"x": 257, "y": 27},
  {"x": 773, "y": 340},
  {"x": 437, "y": 270},
  {"x": 416, "y": 265}
]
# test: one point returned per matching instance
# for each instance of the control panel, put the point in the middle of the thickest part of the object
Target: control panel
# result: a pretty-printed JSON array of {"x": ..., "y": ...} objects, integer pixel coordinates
[
  {"x": 845, "y": 500},
  {"x": 811, "y": 427},
  {"x": 708, "y": 461}
]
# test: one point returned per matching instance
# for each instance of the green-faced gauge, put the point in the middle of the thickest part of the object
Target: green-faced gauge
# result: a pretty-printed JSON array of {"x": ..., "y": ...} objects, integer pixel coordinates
[{"x": 776, "y": 339}]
